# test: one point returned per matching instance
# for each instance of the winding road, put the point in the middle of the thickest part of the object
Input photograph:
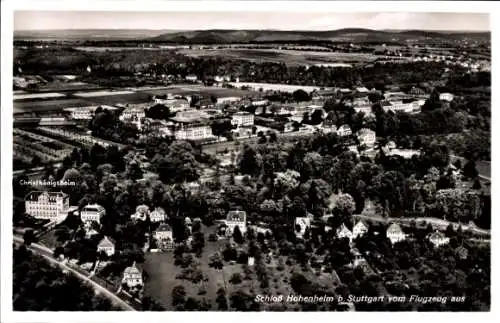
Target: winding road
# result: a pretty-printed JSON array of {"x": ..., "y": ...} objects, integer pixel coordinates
[{"x": 48, "y": 255}]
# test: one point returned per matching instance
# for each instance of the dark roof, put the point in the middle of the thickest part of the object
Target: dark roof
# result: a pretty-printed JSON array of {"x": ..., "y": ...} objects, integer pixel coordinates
[{"x": 164, "y": 227}]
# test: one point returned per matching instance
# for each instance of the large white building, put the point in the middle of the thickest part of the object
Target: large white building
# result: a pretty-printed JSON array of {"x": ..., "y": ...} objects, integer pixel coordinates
[
  {"x": 396, "y": 106},
  {"x": 395, "y": 233},
  {"x": 46, "y": 205},
  {"x": 366, "y": 137},
  {"x": 446, "y": 97},
  {"x": 228, "y": 99},
  {"x": 242, "y": 119},
  {"x": 92, "y": 213},
  {"x": 359, "y": 229},
  {"x": 193, "y": 132},
  {"x": 132, "y": 113},
  {"x": 132, "y": 276},
  {"x": 86, "y": 113},
  {"x": 236, "y": 219},
  {"x": 344, "y": 130},
  {"x": 107, "y": 246}
]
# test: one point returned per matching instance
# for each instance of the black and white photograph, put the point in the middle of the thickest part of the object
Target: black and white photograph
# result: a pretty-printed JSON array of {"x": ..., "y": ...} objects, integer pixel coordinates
[{"x": 242, "y": 160}]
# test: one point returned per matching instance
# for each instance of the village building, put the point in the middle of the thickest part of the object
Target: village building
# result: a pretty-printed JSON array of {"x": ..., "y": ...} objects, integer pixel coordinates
[
  {"x": 107, "y": 246},
  {"x": 344, "y": 130},
  {"x": 448, "y": 97},
  {"x": 228, "y": 100},
  {"x": 259, "y": 103},
  {"x": 92, "y": 213},
  {"x": 367, "y": 137},
  {"x": 132, "y": 113},
  {"x": 132, "y": 276},
  {"x": 192, "y": 125},
  {"x": 46, "y": 205},
  {"x": 90, "y": 232},
  {"x": 359, "y": 229},
  {"x": 141, "y": 213},
  {"x": 164, "y": 236},
  {"x": 395, "y": 233},
  {"x": 236, "y": 219},
  {"x": 86, "y": 113},
  {"x": 438, "y": 238},
  {"x": 462, "y": 252},
  {"x": 158, "y": 215},
  {"x": 302, "y": 223},
  {"x": 344, "y": 232},
  {"x": 243, "y": 119},
  {"x": 191, "y": 78}
]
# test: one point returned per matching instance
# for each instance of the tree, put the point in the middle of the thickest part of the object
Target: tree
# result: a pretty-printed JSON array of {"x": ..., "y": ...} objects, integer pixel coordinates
[
  {"x": 178, "y": 295},
  {"x": 235, "y": 279},
  {"x": 470, "y": 170},
  {"x": 300, "y": 96},
  {"x": 237, "y": 235},
  {"x": 216, "y": 261},
  {"x": 477, "y": 184},
  {"x": 29, "y": 237},
  {"x": 221, "y": 299}
]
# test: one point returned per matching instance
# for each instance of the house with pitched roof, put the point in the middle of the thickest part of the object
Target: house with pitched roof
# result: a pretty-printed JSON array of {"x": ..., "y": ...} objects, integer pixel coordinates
[
  {"x": 164, "y": 236},
  {"x": 359, "y": 229},
  {"x": 132, "y": 276},
  {"x": 367, "y": 137},
  {"x": 107, "y": 246},
  {"x": 236, "y": 219},
  {"x": 395, "y": 234},
  {"x": 344, "y": 130},
  {"x": 344, "y": 232},
  {"x": 158, "y": 215},
  {"x": 438, "y": 238},
  {"x": 92, "y": 213},
  {"x": 141, "y": 213}
]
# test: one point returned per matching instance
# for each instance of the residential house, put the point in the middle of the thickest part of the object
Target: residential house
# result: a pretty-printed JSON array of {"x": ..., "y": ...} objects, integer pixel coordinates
[
  {"x": 362, "y": 90},
  {"x": 236, "y": 219},
  {"x": 46, "y": 205},
  {"x": 259, "y": 103},
  {"x": 141, "y": 213},
  {"x": 396, "y": 106},
  {"x": 92, "y": 213},
  {"x": 158, "y": 215},
  {"x": 302, "y": 223},
  {"x": 86, "y": 113},
  {"x": 107, "y": 246},
  {"x": 446, "y": 97},
  {"x": 228, "y": 99},
  {"x": 132, "y": 276},
  {"x": 395, "y": 233},
  {"x": 164, "y": 236},
  {"x": 367, "y": 137},
  {"x": 191, "y": 78},
  {"x": 344, "y": 130},
  {"x": 344, "y": 232},
  {"x": 328, "y": 127},
  {"x": 438, "y": 238},
  {"x": 243, "y": 119},
  {"x": 359, "y": 229}
]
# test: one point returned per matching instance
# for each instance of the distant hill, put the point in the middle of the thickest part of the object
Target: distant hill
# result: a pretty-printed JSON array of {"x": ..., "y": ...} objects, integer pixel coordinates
[{"x": 224, "y": 36}]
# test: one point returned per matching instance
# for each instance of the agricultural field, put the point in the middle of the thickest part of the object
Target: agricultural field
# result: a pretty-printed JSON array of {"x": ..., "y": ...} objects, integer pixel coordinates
[
  {"x": 100, "y": 93},
  {"x": 127, "y": 98},
  {"x": 24, "y": 96},
  {"x": 291, "y": 57},
  {"x": 49, "y": 105},
  {"x": 200, "y": 90}
]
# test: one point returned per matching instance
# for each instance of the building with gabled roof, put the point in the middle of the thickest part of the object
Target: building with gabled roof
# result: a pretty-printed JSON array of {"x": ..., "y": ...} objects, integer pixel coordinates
[
  {"x": 46, "y": 205},
  {"x": 141, "y": 213},
  {"x": 395, "y": 234},
  {"x": 107, "y": 246},
  {"x": 438, "y": 238},
  {"x": 158, "y": 215},
  {"x": 344, "y": 232},
  {"x": 366, "y": 137},
  {"x": 132, "y": 276},
  {"x": 236, "y": 219},
  {"x": 359, "y": 229},
  {"x": 92, "y": 213},
  {"x": 164, "y": 236},
  {"x": 344, "y": 130}
]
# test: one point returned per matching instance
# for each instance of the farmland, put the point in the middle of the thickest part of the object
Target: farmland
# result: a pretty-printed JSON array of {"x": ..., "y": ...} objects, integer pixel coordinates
[
  {"x": 201, "y": 90},
  {"x": 291, "y": 57}
]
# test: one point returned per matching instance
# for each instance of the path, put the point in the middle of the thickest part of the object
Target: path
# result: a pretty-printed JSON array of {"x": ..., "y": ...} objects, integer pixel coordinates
[{"x": 47, "y": 254}]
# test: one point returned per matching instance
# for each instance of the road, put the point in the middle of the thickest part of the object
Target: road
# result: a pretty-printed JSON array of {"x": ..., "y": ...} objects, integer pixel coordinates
[
  {"x": 47, "y": 254},
  {"x": 442, "y": 224}
]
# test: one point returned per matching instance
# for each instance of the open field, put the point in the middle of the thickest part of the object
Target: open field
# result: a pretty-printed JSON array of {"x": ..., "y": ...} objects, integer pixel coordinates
[
  {"x": 196, "y": 89},
  {"x": 275, "y": 87},
  {"x": 291, "y": 57},
  {"x": 49, "y": 105},
  {"x": 37, "y": 95},
  {"x": 128, "y": 98},
  {"x": 100, "y": 93}
]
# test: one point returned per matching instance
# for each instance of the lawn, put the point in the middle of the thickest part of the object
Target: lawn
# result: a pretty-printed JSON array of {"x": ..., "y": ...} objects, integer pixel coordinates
[{"x": 200, "y": 90}]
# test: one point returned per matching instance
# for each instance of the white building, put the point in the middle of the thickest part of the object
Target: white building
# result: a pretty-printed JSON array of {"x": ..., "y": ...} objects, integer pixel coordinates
[
  {"x": 191, "y": 78},
  {"x": 193, "y": 132},
  {"x": 141, "y": 213},
  {"x": 164, "y": 236},
  {"x": 46, "y": 205},
  {"x": 173, "y": 104},
  {"x": 158, "y": 215},
  {"x": 446, "y": 97},
  {"x": 132, "y": 276},
  {"x": 303, "y": 223},
  {"x": 259, "y": 103},
  {"x": 396, "y": 106},
  {"x": 133, "y": 113},
  {"x": 228, "y": 99},
  {"x": 359, "y": 229},
  {"x": 86, "y": 113},
  {"x": 107, "y": 246},
  {"x": 242, "y": 119},
  {"x": 437, "y": 238},
  {"x": 236, "y": 219},
  {"x": 395, "y": 233},
  {"x": 367, "y": 137},
  {"x": 92, "y": 213},
  {"x": 344, "y": 232},
  {"x": 344, "y": 130}
]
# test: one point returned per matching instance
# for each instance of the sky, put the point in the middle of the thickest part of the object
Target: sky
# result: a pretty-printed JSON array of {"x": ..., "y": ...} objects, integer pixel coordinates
[{"x": 43, "y": 20}]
